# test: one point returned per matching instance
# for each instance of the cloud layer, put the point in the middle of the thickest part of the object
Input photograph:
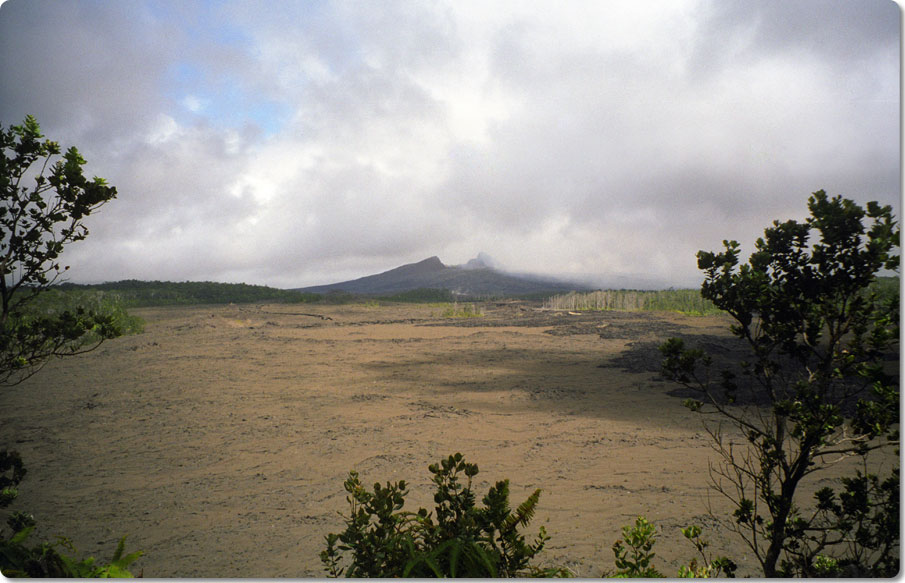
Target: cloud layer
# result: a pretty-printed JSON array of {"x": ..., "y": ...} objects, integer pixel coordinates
[{"x": 295, "y": 144}]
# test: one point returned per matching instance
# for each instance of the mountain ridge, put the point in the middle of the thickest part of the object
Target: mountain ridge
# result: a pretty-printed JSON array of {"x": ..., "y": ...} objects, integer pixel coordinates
[{"x": 475, "y": 278}]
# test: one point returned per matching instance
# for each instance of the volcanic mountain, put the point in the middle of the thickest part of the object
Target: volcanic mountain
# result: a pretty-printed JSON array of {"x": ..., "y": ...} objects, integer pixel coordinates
[{"x": 475, "y": 278}]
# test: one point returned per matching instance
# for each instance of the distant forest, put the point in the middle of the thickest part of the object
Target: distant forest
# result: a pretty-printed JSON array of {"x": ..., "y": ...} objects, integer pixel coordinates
[{"x": 134, "y": 293}]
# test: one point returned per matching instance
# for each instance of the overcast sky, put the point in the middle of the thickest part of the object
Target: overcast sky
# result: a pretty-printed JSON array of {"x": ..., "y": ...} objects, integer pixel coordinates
[{"x": 301, "y": 143}]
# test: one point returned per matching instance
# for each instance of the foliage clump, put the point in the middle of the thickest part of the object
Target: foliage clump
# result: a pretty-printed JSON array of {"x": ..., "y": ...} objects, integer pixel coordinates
[
  {"x": 458, "y": 539},
  {"x": 634, "y": 551},
  {"x": 464, "y": 311},
  {"x": 48, "y": 561},
  {"x": 634, "y": 554},
  {"x": 42, "y": 209}
]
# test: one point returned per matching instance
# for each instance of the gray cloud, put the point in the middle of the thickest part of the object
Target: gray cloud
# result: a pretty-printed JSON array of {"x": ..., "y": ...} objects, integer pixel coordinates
[
  {"x": 299, "y": 143},
  {"x": 86, "y": 70},
  {"x": 842, "y": 32}
]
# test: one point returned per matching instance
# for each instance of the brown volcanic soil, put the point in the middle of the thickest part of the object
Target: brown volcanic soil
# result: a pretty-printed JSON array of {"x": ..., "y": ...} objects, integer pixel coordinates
[{"x": 219, "y": 438}]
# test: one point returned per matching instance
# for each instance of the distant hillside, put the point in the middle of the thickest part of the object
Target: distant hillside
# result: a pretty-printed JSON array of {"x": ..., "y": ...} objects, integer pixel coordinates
[
  {"x": 474, "y": 278},
  {"x": 136, "y": 293}
]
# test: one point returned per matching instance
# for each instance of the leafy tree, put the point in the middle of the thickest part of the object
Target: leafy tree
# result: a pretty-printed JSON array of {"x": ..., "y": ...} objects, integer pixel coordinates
[
  {"x": 817, "y": 389},
  {"x": 43, "y": 208},
  {"x": 36, "y": 222},
  {"x": 460, "y": 539}
]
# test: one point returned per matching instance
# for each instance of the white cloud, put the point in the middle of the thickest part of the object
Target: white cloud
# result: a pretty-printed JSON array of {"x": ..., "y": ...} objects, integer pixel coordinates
[
  {"x": 194, "y": 103},
  {"x": 329, "y": 140},
  {"x": 163, "y": 129}
]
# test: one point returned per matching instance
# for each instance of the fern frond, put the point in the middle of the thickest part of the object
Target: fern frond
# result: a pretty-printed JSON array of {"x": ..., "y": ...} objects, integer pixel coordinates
[
  {"x": 20, "y": 536},
  {"x": 479, "y": 557},
  {"x": 128, "y": 559},
  {"x": 524, "y": 513},
  {"x": 119, "y": 550},
  {"x": 454, "y": 552}
]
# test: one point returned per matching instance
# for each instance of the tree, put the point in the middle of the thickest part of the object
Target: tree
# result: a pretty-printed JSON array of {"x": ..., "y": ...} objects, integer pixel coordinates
[
  {"x": 816, "y": 390},
  {"x": 43, "y": 208},
  {"x": 39, "y": 215}
]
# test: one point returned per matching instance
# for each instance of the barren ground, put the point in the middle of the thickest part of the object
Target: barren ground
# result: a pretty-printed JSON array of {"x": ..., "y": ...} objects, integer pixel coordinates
[{"x": 219, "y": 438}]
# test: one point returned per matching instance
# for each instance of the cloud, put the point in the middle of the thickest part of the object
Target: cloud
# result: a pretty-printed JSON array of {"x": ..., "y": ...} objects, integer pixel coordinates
[{"x": 302, "y": 143}]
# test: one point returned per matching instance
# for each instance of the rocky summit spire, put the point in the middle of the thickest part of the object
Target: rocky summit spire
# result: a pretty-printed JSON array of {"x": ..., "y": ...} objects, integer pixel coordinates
[{"x": 482, "y": 261}]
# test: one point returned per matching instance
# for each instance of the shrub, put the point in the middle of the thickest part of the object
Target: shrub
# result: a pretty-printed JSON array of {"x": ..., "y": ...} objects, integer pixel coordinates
[
  {"x": 46, "y": 561},
  {"x": 465, "y": 311},
  {"x": 459, "y": 539},
  {"x": 634, "y": 554}
]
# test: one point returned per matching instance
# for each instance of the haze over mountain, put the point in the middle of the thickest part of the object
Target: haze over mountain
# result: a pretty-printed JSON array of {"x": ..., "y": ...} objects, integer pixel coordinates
[
  {"x": 479, "y": 276},
  {"x": 482, "y": 261}
]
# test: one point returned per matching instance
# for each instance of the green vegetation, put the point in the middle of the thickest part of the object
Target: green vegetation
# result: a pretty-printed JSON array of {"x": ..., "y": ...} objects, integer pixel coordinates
[
  {"x": 886, "y": 288},
  {"x": 49, "y": 561},
  {"x": 55, "y": 301},
  {"x": 166, "y": 293},
  {"x": 459, "y": 539},
  {"x": 686, "y": 301},
  {"x": 634, "y": 554},
  {"x": 55, "y": 324},
  {"x": 464, "y": 311},
  {"x": 339, "y": 297},
  {"x": 816, "y": 389},
  {"x": 36, "y": 223}
]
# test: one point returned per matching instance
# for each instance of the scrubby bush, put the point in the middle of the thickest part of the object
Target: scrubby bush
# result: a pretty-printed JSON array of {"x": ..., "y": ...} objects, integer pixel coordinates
[
  {"x": 458, "y": 539},
  {"x": 634, "y": 554}
]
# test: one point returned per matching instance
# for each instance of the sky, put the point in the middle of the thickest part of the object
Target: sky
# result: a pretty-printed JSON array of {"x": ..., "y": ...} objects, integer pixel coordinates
[{"x": 303, "y": 143}]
